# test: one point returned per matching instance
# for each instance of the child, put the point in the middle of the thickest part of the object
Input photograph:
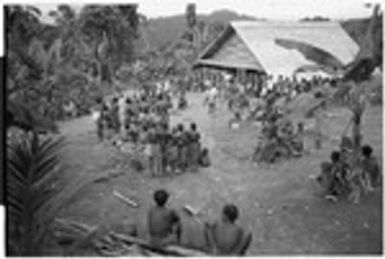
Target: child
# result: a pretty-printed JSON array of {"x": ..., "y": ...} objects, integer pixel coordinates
[
  {"x": 114, "y": 115},
  {"x": 149, "y": 150},
  {"x": 163, "y": 136},
  {"x": 172, "y": 151},
  {"x": 181, "y": 138},
  {"x": 370, "y": 168},
  {"x": 204, "y": 159},
  {"x": 163, "y": 223},
  {"x": 194, "y": 147},
  {"x": 157, "y": 151},
  {"x": 226, "y": 237}
]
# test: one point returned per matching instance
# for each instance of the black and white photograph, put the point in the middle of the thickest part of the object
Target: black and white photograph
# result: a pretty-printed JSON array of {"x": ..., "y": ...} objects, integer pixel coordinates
[{"x": 192, "y": 128}]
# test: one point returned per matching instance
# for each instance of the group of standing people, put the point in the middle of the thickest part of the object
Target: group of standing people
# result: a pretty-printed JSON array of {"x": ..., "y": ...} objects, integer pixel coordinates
[
  {"x": 175, "y": 150},
  {"x": 143, "y": 119}
]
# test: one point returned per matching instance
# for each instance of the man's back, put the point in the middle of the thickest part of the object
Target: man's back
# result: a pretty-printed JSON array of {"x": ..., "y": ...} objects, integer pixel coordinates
[
  {"x": 227, "y": 237},
  {"x": 161, "y": 220}
]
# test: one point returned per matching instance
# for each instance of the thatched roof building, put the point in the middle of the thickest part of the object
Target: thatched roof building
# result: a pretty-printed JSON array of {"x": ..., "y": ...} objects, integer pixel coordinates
[{"x": 279, "y": 47}]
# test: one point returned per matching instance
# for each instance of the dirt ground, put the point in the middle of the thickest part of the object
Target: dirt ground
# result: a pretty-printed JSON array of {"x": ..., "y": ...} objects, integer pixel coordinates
[{"x": 278, "y": 203}]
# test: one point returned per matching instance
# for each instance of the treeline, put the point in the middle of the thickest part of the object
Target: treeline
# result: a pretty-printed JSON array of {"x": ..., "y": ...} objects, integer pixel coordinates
[{"x": 76, "y": 59}]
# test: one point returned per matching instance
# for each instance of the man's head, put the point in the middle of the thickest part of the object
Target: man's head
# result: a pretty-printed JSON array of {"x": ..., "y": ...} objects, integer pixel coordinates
[
  {"x": 335, "y": 156},
  {"x": 367, "y": 150},
  {"x": 193, "y": 126},
  {"x": 161, "y": 197},
  {"x": 230, "y": 212}
]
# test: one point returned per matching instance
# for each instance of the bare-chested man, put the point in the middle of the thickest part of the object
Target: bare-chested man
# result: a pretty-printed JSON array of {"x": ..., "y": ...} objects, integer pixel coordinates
[
  {"x": 226, "y": 237},
  {"x": 163, "y": 222}
]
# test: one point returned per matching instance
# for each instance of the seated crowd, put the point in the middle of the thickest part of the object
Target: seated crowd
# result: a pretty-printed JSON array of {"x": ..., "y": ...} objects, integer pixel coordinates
[{"x": 347, "y": 177}]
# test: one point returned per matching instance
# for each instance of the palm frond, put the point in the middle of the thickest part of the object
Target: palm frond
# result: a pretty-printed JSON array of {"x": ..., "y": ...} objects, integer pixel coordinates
[{"x": 27, "y": 167}]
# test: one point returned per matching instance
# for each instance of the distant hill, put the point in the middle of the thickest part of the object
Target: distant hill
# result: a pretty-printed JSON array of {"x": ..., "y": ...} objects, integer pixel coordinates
[{"x": 164, "y": 30}]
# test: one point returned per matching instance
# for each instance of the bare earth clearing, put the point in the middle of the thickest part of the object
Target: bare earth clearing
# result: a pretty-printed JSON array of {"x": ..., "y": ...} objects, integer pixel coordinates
[{"x": 279, "y": 203}]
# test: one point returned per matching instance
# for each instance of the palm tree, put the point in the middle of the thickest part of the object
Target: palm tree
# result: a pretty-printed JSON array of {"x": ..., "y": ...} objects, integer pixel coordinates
[{"x": 32, "y": 166}]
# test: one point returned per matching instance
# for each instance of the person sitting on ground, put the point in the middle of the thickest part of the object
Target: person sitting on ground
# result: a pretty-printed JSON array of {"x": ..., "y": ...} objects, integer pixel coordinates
[
  {"x": 226, "y": 237},
  {"x": 182, "y": 102},
  {"x": 204, "y": 159},
  {"x": 163, "y": 222},
  {"x": 234, "y": 122},
  {"x": 371, "y": 168},
  {"x": 339, "y": 173}
]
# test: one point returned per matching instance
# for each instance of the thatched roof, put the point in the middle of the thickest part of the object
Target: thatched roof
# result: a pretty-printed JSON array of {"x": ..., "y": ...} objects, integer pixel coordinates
[{"x": 278, "y": 47}]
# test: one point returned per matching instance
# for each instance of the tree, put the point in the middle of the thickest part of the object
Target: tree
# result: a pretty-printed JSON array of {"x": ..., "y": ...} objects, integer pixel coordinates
[
  {"x": 23, "y": 71},
  {"x": 22, "y": 27},
  {"x": 191, "y": 16},
  {"x": 110, "y": 31}
]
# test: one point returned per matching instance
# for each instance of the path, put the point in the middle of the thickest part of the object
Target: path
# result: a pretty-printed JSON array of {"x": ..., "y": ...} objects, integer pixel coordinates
[{"x": 277, "y": 203}]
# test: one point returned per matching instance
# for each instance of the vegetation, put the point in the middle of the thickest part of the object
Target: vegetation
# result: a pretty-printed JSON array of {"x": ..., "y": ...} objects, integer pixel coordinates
[
  {"x": 48, "y": 66},
  {"x": 32, "y": 168}
]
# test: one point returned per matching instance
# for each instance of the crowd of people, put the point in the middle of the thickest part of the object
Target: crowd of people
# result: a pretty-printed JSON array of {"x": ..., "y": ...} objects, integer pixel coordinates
[{"x": 143, "y": 120}]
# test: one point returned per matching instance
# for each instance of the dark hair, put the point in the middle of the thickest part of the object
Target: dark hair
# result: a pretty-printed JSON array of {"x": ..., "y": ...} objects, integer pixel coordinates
[
  {"x": 318, "y": 95},
  {"x": 180, "y": 127},
  {"x": 161, "y": 197},
  {"x": 230, "y": 211},
  {"x": 193, "y": 126},
  {"x": 335, "y": 156},
  {"x": 99, "y": 100},
  {"x": 367, "y": 150}
]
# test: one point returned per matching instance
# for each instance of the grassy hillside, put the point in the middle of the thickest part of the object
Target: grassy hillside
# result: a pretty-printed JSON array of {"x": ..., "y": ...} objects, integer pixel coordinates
[{"x": 162, "y": 31}]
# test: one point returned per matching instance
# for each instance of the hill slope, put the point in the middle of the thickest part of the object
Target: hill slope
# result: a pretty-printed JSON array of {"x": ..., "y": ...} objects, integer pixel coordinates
[{"x": 162, "y": 31}]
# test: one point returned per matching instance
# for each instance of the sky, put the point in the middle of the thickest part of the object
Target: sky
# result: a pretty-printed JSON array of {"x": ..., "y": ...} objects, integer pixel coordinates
[{"x": 269, "y": 9}]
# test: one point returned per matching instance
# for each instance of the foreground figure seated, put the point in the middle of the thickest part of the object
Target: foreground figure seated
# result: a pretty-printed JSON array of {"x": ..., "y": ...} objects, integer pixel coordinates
[
  {"x": 226, "y": 237},
  {"x": 163, "y": 222}
]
